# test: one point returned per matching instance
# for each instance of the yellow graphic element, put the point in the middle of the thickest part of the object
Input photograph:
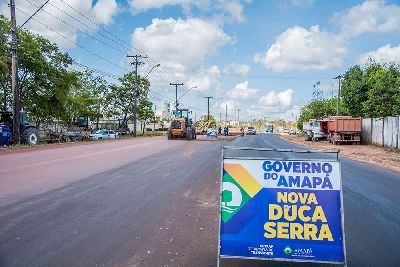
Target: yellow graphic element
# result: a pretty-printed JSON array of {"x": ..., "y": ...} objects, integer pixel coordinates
[{"x": 243, "y": 178}]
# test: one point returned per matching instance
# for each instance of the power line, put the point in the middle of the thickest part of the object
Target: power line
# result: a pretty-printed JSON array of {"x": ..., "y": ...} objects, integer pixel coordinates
[
  {"x": 72, "y": 26},
  {"x": 75, "y": 43},
  {"x": 93, "y": 29},
  {"x": 89, "y": 51},
  {"x": 98, "y": 25},
  {"x": 113, "y": 35}
]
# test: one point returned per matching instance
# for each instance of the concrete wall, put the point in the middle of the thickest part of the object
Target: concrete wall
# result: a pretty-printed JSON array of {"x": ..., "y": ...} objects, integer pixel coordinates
[{"x": 382, "y": 131}]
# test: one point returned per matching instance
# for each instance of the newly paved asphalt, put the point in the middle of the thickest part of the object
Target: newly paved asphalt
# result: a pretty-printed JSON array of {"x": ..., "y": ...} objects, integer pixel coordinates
[{"x": 153, "y": 202}]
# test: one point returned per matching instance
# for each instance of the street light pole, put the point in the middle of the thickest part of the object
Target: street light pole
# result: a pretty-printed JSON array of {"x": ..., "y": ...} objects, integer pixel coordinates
[
  {"x": 155, "y": 66},
  {"x": 137, "y": 63},
  {"x": 339, "y": 77}
]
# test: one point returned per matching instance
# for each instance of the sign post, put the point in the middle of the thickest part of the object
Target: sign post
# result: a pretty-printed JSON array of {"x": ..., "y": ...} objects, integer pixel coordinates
[{"x": 282, "y": 208}]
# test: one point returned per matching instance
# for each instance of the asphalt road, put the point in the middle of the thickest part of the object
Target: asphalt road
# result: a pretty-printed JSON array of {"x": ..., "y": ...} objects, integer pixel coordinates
[{"x": 153, "y": 202}]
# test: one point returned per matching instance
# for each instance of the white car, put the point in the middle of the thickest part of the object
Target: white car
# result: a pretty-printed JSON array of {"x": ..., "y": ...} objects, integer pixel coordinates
[{"x": 103, "y": 135}]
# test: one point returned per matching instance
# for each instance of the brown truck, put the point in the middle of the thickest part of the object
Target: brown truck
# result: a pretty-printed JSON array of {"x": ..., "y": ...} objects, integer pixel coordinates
[{"x": 344, "y": 129}]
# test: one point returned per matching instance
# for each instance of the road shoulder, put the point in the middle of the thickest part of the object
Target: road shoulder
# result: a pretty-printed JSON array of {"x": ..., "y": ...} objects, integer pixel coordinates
[{"x": 378, "y": 156}]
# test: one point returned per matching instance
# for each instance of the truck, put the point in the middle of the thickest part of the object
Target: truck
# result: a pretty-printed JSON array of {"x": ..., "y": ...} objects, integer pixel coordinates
[
  {"x": 315, "y": 130},
  {"x": 270, "y": 128},
  {"x": 344, "y": 129},
  {"x": 181, "y": 126}
]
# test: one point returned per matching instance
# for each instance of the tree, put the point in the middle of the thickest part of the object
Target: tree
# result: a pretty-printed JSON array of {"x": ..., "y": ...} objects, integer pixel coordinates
[
  {"x": 354, "y": 91},
  {"x": 145, "y": 112},
  {"x": 319, "y": 109},
  {"x": 120, "y": 98},
  {"x": 44, "y": 78},
  {"x": 87, "y": 98},
  {"x": 383, "y": 82},
  {"x": 203, "y": 123}
]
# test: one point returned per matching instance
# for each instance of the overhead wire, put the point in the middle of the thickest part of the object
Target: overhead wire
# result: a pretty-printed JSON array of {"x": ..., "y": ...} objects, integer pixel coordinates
[
  {"x": 83, "y": 47},
  {"x": 121, "y": 41},
  {"x": 76, "y": 28}
]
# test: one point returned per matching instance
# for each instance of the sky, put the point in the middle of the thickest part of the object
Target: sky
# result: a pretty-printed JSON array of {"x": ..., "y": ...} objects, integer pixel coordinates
[{"x": 262, "y": 57}]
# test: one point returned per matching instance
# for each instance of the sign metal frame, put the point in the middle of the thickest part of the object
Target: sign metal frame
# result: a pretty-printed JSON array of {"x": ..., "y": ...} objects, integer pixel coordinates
[{"x": 337, "y": 159}]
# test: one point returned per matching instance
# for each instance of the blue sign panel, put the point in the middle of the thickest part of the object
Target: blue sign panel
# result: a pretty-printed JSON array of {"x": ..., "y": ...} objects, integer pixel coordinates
[{"x": 282, "y": 210}]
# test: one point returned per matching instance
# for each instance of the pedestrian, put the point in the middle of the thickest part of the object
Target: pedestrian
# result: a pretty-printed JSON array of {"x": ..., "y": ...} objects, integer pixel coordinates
[
  {"x": 241, "y": 131},
  {"x": 219, "y": 130},
  {"x": 226, "y": 130}
]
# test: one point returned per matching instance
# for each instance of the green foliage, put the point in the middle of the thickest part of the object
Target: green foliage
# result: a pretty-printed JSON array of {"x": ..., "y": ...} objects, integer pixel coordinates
[
  {"x": 146, "y": 111},
  {"x": 121, "y": 98},
  {"x": 86, "y": 98},
  {"x": 44, "y": 78},
  {"x": 373, "y": 91},
  {"x": 354, "y": 91},
  {"x": 383, "y": 82}
]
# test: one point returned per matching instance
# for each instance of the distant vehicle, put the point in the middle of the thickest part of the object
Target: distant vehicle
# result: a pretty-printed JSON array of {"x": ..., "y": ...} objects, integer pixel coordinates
[
  {"x": 251, "y": 130},
  {"x": 315, "y": 130},
  {"x": 286, "y": 130},
  {"x": 103, "y": 135},
  {"x": 270, "y": 128},
  {"x": 292, "y": 132}
]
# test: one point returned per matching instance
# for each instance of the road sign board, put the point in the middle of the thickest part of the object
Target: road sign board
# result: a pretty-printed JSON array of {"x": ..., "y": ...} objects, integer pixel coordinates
[{"x": 282, "y": 209}]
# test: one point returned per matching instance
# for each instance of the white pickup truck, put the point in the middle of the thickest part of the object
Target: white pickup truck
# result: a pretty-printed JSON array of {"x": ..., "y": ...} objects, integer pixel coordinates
[{"x": 315, "y": 130}]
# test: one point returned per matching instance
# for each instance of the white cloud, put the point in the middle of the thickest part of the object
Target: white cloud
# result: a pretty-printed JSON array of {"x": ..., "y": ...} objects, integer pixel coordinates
[
  {"x": 230, "y": 105},
  {"x": 104, "y": 11},
  {"x": 239, "y": 69},
  {"x": 142, "y": 5},
  {"x": 301, "y": 49},
  {"x": 206, "y": 80},
  {"x": 277, "y": 99},
  {"x": 230, "y": 11},
  {"x": 178, "y": 41},
  {"x": 370, "y": 16},
  {"x": 242, "y": 92},
  {"x": 55, "y": 12},
  {"x": 384, "y": 54}
]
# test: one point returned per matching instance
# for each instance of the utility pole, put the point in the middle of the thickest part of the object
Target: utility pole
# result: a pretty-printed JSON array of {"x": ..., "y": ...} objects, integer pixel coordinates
[
  {"x": 238, "y": 118},
  {"x": 14, "y": 71},
  {"x": 339, "y": 77},
  {"x": 14, "y": 75},
  {"x": 208, "y": 107},
  {"x": 226, "y": 114},
  {"x": 136, "y": 91},
  {"x": 195, "y": 115},
  {"x": 220, "y": 118},
  {"x": 176, "y": 95}
]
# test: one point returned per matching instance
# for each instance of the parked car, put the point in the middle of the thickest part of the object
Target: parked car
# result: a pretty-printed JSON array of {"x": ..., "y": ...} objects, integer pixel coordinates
[
  {"x": 251, "y": 130},
  {"x": 286, "y": 130},
  {"x": 103, "y": 135},
  {"x": 292, "y": 132}
]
